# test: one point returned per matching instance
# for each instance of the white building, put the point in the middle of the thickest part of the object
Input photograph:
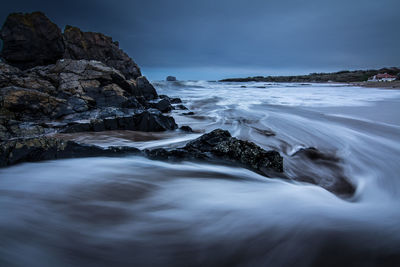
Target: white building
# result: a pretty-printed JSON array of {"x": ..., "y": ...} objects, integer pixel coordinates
[{"x": 382, "y": 78}]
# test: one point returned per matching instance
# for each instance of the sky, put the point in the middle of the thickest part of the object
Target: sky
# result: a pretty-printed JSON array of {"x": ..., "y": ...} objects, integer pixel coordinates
[{"x": 214, "y": 39}]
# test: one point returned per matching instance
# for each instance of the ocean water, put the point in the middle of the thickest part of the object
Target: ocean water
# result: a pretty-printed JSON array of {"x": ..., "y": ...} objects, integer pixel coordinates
[{"x": 132, "y": 211}]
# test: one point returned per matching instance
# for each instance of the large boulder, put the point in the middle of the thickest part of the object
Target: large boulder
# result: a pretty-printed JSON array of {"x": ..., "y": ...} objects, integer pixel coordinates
[
  {"x": 97, "y": 46},
  {"x": 30, "y": 40}
]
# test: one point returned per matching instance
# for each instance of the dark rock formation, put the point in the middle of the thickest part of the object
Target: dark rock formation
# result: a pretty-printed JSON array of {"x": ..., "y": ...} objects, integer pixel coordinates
[
  {"x": 145, "y": 88},
  {"x": 171, "y": 79},
  {"x": 172, "y": 100},
  {"x": 24, "y": 104},
  {"x": 220, "y": 145},
  {"x": 181, "y": 107},
  {"x": 31, "y": 40},
  {"x": 147, "y": 121},
  {"x": 44, "y": 148},
  {"x": 97, "y": 46},
  {"x": 186, "y": 128},
  {"x": 163, "y": 105},
  {"x": 76, "y": 90}
]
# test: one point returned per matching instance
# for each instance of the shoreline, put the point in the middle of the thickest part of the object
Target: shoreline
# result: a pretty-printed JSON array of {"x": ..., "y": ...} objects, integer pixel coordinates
[{"x": 381, "y": 85}]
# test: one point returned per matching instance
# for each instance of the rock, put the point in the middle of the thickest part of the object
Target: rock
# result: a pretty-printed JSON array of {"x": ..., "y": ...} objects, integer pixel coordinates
[
  {"x": 220, "y": 145},
  {"x": 154, "y": 122},
  {"x": 163, "y": 105},
  {"x": 146, "y": 121},
  {"x": 33, "y": 40},
  {"x": 25, "y": 104},
  {"x": 181, "y": 107},
  {"x": 310, "y": 163},
  {"x": 188, "y": 113},
  {"x": 30, "y": 40},
  {"x": 97, "y": 46},
  {"x": 314, "y": 154},
  {"x": 145, "y": 88},
  {"x": 45, "y": 148},
  {"x": 264, "y": 132},
  {"x": 186, "y": 128},
  {"x": 16, "y": 129},
  {"x": 172, "y": 100},
  {"x": 171, "y": 79}
]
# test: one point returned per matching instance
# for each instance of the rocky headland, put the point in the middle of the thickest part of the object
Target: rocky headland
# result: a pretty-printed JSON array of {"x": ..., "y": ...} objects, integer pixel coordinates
[
  {"x": 356, "y": 76},
  {"x": 54, "y": 81}
]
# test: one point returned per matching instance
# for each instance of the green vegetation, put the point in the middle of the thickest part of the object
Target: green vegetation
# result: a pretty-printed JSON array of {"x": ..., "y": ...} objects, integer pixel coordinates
[{"x": 344, "y": 76}]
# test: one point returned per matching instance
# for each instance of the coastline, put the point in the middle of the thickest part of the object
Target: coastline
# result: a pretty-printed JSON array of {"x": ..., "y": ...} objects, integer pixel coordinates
[{"x": 381, "y": 85}]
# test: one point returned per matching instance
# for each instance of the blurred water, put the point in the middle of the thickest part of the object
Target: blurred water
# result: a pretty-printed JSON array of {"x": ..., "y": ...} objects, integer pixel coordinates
[{"x": 134, "y": 211}]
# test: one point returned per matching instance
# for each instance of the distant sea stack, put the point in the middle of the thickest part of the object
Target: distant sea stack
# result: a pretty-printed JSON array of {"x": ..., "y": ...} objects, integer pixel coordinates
[{"x": 171, "y": 79}]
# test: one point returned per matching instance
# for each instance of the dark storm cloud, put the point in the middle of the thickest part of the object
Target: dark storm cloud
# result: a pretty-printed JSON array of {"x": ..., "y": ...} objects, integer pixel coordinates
[{"x": 302, "y": 34}]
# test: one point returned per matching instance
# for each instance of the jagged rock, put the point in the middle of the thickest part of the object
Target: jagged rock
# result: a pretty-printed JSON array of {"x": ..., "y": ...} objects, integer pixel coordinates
[
  {"x": 163, "y": 105},
  {"x": 45, "y": 148},
  {"x": 219, "y": 144},
  {"x": 16, "y": 129},
  {"x": 33, "y": 40},
  {"x": 30, "y": 40},
  {"x": 24, "y": 104},
  {"x": 97, "y": 46},
  {"x": 145, "y": 88},
  {"x": 171, "y": 79}
]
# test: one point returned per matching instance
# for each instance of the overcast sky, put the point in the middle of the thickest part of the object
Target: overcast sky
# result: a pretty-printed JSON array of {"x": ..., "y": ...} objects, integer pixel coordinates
[{"x": 211, "y": 39}]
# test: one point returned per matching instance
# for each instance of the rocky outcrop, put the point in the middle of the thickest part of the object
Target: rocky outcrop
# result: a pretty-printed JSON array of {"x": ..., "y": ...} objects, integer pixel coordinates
[
  {"x": 219, "y": 145},
  {"x": 25, "y": 104},
  {"x": 31, "y": 40},
  {"x": 45, "y": 148},
  {"x": 76, "y": 90},
  {"x": 97, "y": 46}
]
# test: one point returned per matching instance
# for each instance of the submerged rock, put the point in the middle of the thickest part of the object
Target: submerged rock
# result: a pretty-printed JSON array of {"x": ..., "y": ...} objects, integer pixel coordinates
[
  {"x": 45, "y": 148},
  {"x": 311, "y": 162}
]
